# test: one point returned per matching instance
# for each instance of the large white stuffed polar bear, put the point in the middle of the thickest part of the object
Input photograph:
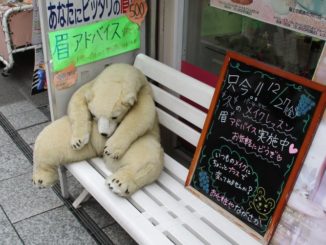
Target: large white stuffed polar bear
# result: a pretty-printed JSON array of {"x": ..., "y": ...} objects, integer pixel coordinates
[{"x": 112, "y": 116}]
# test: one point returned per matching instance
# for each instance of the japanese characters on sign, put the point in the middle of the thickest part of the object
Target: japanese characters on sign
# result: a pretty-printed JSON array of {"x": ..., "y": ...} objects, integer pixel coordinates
[
  {"x": 68, "y": 13},
  {"x": 258, "y": 128},
  {"x": 89, "y": 43},
  {"x": 137, "y": 11}
]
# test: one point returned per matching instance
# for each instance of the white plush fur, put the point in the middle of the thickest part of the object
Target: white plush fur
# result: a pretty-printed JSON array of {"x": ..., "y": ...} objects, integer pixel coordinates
[{"x": 112, "y": 116}]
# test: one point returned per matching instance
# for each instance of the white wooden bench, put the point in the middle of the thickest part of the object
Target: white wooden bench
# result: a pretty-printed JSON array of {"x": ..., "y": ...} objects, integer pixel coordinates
[{"x": 164, "y": 212}]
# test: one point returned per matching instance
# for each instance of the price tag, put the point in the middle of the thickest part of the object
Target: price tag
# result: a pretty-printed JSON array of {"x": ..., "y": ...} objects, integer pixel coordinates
[{"x": 137, "y": 11}]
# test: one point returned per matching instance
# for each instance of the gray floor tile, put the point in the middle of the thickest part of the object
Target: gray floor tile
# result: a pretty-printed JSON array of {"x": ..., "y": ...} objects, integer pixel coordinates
[
  {"x": 16, "y": 108},
  {"x": 57, "y": 226},
  {"x": 39, "y": 99},
  {"x": 91, "y": 207},
  {"x": 74, "y": 187},
  {"x": 8, "y": 234},
  {"x": 20, "y": 200},
  {"x": 9, "y": 94},
  {"x": 118, "y": 236},
  {"x": 98, "y": 213},
  {"x": 4, "y": 138},
  {"x": 12, "y": 162},
  {"x": 30, "y": 134},
  {"x": 27, "y": 118},
  {"x": 38, "y": 215}
]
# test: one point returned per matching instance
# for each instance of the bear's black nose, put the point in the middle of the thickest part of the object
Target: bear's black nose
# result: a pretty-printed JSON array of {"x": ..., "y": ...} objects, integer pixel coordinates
[{"x": 104, "y": 134}]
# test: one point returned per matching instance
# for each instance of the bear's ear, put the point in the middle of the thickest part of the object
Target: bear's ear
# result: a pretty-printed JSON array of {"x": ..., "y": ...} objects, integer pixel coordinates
[
  {"x": 89, "y": 95},
  {"x": 129, "y": 99}
]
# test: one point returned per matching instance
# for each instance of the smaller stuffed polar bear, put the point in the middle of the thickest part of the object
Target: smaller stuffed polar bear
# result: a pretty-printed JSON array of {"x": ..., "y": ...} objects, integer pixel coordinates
[{"x": 113, "y": 116}]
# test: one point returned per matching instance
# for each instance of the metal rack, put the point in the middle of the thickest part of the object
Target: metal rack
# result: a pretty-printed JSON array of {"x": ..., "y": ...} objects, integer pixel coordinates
[{"x": 7, "y": 43}]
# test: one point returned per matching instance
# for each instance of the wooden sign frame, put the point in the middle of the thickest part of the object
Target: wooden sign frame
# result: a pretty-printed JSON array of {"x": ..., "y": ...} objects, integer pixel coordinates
[{"x": 307, "y": 139}]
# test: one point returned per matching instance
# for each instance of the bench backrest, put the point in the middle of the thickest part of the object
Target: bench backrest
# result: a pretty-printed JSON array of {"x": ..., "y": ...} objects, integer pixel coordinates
[
  {"x": 172, "y": 92},
  {"x": 176, "y": 107}
]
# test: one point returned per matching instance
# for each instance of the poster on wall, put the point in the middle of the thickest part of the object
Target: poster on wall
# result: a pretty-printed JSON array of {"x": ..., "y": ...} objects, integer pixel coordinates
[
  {"x": 85, "y": 32},
  {"x": 66, "y": 13},
  {"x": 305, "y": 16},
  {"x": 39, "y": 83},
  {"x": 89, "y": 43},
  {"x": 258, "y": 130}
]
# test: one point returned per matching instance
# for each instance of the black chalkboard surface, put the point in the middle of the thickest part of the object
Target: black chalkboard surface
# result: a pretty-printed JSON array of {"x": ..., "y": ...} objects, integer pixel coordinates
[{"x": 259, "y": 127}]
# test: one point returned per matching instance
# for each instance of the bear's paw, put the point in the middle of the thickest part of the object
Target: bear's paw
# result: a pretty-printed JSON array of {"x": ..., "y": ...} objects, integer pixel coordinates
[
  {"x": 78, "y": 143},
  {"x": 120, "y": 184},
  {"x": 44, "y": 179},
  {"x": 114, "y": 149}
]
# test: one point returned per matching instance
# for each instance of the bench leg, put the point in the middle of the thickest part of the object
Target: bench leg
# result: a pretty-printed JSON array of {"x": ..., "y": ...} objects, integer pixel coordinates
[
  {"x": 63, "y": 182},
  {"x": 83, "y": 197}
]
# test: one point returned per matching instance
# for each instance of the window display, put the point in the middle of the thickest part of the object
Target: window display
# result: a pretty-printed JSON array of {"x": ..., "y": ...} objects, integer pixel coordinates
[{"x": 215, "y": 31}]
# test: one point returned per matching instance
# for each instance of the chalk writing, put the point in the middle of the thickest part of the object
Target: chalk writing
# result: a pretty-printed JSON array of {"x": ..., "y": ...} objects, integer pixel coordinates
[
  {"x": 262, "y": 205},
  {"x": 238, "y": 209},
  {"x": 204, "y": 181},
  {"x": 257, "y": 127},
  {"x": 229, "y": 169},
  {"x": 305, "y": 105}
]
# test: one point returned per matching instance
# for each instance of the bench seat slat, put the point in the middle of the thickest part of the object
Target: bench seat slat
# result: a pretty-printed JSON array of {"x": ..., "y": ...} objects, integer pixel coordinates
[
  {"x": 153, "y": 210},
  {"x": 156, "y": 212},
  {"x": 179, "y": 235},
  {"x": 167, "y": 211},
  {"x": 204, "y": 210},
  {"x": 119, "y": 208},
  {"x": 171, "y": 166},
  {"x": 184, "y": 215}
]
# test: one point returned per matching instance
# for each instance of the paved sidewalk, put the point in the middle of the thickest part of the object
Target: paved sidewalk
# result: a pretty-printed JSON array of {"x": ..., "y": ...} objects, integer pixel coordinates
[{"x": 29, "y": 215}]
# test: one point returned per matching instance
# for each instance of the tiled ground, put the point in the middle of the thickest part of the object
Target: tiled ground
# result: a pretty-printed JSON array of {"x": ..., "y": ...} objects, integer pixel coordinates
[{"x": 29, "y": 215}]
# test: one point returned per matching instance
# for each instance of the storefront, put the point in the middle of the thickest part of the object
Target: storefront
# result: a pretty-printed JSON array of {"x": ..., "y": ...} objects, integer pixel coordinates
[
  {"x": 198, "y": 33},
  {"x": 194, "y": 36}
]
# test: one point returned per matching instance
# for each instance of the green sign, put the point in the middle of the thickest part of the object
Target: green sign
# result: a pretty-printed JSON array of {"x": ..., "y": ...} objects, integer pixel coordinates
[{"x": 86, "y": 44}]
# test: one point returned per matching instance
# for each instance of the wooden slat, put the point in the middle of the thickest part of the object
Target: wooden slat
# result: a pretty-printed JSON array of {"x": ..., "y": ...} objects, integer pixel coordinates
[
  {"x": 184, "y": 215},
  {"x": 232, "y": 231},
  {"x": 119, "y": 208},
  {"x": 178, "y": 127},
  {"x": 152, "y": 210},
  {"x": 175, "y": 169},
  {"x": 160, "y": 212},
  {"x": 140, "y": 199},
  {"x": 175, "y": 80},
  {"x": 179, "y": 107}
]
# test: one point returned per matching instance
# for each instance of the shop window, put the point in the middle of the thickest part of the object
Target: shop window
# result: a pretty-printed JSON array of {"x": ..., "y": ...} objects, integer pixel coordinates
[{"x": 211, "y": 32}]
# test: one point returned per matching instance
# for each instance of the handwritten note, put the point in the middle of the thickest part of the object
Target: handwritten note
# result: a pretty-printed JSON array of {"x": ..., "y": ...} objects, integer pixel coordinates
[
  {"x": 137, "y": 11},
  {"x": 65, "y": 78},
  {"x": 252, "y": 138},
  {"x": 86, "y": 44}
]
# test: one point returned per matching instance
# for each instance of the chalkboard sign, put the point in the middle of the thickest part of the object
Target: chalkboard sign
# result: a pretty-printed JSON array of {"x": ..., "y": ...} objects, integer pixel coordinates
[{"x": 257, "y": 132}]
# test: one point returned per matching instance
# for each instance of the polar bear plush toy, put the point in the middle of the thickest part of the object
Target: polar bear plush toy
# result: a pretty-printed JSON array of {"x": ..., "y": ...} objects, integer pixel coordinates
[{"x": 112, "y": 116}]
